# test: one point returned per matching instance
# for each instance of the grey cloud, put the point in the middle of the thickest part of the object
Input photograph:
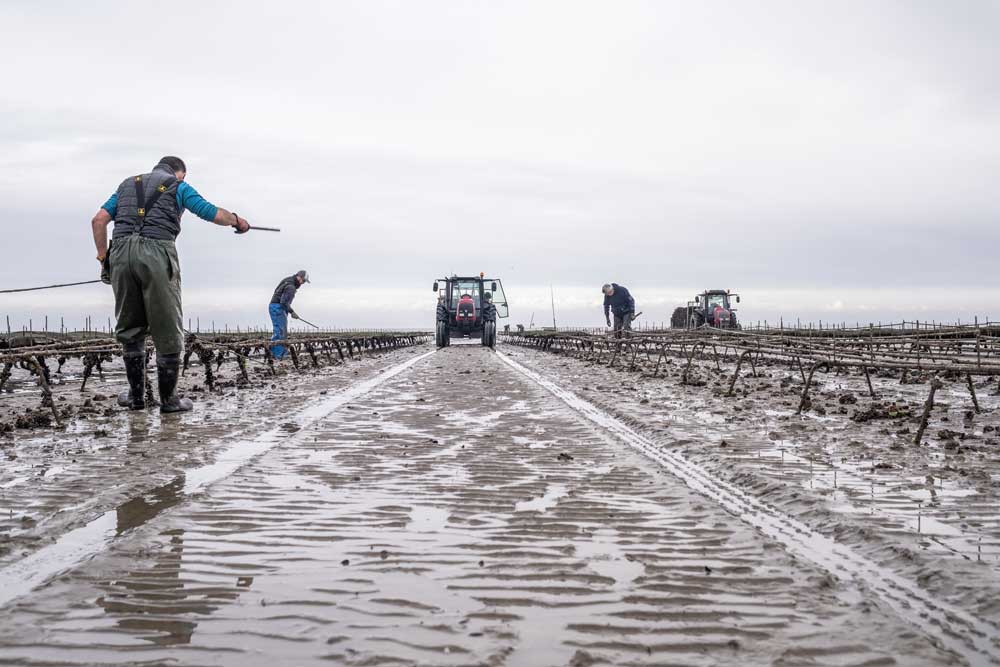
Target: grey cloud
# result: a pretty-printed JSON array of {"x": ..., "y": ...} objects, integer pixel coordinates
[{"x": 818, "y": 145}]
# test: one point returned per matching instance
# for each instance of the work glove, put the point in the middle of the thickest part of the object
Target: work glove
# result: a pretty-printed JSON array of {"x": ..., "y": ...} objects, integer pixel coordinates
[
  {"x": 294, "y": 315},
  {"x": 106, "y": 267}
]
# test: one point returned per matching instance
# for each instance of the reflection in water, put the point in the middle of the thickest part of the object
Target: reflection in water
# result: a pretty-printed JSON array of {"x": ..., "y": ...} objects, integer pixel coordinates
[
  {"x": 138, "y": 429},
  {"x": 141, "y": 509},
  {"x": 157, "y": 603},
  {"x": 145, "y": 599}
]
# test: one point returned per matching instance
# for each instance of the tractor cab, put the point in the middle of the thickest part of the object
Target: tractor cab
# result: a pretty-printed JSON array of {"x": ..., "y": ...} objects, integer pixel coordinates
[{"x": 469, "y": 306}]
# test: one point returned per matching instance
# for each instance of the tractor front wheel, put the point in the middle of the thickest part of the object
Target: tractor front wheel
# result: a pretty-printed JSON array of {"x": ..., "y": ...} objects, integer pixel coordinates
[{"x": 490, "y": 335}]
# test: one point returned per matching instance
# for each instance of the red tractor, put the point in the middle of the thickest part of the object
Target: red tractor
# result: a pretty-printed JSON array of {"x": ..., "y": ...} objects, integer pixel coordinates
[
  {"x": 469, "y": 307},
  {"x": 710, "y": 308}
]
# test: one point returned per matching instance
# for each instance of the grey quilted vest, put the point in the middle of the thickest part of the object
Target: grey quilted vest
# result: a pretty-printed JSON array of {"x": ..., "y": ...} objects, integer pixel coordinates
[{"x": 153, "y": 214}]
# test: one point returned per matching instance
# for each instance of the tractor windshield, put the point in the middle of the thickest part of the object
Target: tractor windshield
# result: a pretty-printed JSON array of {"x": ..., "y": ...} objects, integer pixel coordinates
[
  {"x": 462, "y": 287},
  {"x": 713, "y": 300}
]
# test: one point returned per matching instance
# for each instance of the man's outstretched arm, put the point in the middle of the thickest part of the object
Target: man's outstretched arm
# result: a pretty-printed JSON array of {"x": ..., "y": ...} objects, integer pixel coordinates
[
  {"x": 189, "y": 198},
  {"x": 229, "y": 219}
]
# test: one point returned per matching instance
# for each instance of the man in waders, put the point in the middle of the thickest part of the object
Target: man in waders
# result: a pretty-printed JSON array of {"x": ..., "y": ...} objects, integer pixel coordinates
[
  {"x": 618, "y": 301},
  {"x": 145, "y": 273},
  {"x": 281, "y": 307}
]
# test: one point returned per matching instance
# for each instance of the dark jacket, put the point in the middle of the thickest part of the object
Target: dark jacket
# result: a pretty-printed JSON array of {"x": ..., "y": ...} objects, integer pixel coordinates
[
  {"x": 620, "y": 303},
  {"x": 284, "y": 293}
]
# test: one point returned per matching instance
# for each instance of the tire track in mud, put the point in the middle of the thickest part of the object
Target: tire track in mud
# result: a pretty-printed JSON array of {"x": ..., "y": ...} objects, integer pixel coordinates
[
  {"x": 959, "y": 631},
  {"x": 455, "y": 515},
  {"x": 911, "y": 509},
  {"x": 23, "y": 575}
]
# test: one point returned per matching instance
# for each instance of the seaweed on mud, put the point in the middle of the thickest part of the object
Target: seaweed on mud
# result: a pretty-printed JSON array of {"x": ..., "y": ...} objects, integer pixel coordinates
[
  {"x": 881, "y": 410},
  {"x": 33, "y": 419}
]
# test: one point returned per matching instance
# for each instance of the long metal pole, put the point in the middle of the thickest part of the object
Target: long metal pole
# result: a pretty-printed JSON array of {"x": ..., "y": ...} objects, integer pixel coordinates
[
  {"x": 553, "y": 295},
  {"x": 34, "y": 289}
]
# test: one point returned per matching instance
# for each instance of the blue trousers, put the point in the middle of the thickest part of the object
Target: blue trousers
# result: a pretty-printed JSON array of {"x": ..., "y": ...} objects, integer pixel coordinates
[{"x": 279, "y": 319}]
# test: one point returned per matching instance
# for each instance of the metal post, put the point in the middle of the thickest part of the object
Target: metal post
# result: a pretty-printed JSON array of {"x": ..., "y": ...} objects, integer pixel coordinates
[
  {"x": 935, "y": 385},
  {"x": 972, "y": 392}
]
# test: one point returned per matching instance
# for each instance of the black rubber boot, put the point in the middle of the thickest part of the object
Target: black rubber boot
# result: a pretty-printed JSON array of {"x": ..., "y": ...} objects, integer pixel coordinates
[
  {"x": 168, "y": 368},
  {"x": 135, "y": 369}
]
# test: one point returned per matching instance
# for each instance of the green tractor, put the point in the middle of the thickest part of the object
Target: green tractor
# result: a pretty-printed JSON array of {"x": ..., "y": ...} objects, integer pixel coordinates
[
  {"x": 468, "y": 307},
  {"x": 710, "y": 308}
]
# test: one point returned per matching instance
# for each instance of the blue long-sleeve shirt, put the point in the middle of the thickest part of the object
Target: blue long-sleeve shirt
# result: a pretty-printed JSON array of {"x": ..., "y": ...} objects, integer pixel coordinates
[{"x": 187, "y": 198}]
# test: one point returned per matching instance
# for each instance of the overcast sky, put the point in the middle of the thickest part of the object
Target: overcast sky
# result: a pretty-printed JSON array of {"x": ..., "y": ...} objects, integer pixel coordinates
[{"x": 832, "y": 161}]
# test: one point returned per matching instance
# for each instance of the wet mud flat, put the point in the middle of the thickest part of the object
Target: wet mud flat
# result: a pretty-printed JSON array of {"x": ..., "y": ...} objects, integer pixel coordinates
[
  {"x": 455, "y": 513},
  {"x": 847, "y": 466},
  {"x": 55, "y": 479}
]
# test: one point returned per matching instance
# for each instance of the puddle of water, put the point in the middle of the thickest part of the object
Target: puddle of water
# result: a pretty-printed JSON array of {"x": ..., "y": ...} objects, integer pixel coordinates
[
  {"x": 17, "y": 481},
  {"x": 605, "y": 556},
  {"x": 532, "y": 443},
  {"x": 544, "y": 502},
  {"x": 427, "y": 519}
]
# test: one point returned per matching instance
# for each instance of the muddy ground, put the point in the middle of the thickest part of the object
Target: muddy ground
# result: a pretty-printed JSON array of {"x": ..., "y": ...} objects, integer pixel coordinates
[
  {"x": 53, "y": 479},
  {"x": 846, "y": 467},
  {"x": 454, "y": 512}
]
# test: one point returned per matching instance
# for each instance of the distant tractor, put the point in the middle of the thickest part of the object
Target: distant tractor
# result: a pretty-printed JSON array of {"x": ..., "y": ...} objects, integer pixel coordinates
[
  {"x": 467, "y": 307},
  {"x": 712, "y": 308}
]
